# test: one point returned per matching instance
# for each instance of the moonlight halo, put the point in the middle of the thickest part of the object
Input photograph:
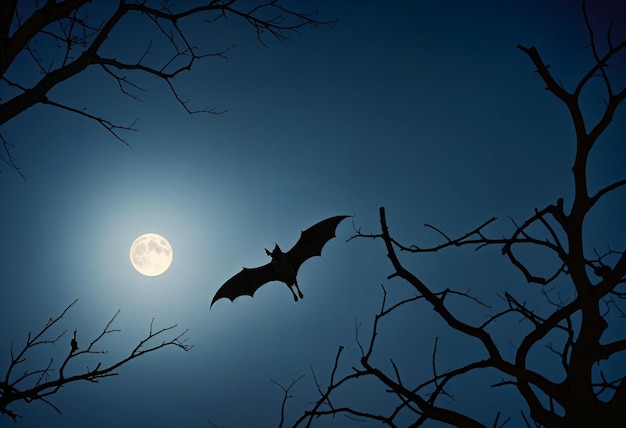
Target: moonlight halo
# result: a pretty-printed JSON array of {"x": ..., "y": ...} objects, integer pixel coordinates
[{"x": 151, "y": 254}]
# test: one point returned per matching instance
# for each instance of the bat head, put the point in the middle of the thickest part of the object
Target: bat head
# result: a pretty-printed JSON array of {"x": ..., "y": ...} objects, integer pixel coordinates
[{"x": 275, "y": 252}]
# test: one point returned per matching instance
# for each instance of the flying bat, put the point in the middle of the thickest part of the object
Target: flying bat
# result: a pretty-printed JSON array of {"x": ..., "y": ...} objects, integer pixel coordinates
[{"x": 283, "y": 266}]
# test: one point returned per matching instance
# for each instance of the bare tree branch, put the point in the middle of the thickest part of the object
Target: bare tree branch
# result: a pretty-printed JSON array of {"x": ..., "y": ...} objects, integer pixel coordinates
[
  {"x": 40, "y": 383},
  {"x": 63, "y": 39},
  {"x": 286, "y": 397}
]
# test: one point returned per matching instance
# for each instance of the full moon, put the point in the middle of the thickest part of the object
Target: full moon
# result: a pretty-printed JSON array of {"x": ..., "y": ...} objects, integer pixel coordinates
[{"x": 151, "y": 254}]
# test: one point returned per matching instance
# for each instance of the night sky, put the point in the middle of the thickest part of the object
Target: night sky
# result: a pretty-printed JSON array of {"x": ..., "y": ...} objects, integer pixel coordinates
[{"x": 425, "y": 108}]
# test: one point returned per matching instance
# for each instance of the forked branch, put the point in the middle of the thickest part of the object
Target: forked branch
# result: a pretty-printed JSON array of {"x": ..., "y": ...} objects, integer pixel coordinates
[
  {"x": 37, "y": 384},
  {"x": 63, "y": 39}
]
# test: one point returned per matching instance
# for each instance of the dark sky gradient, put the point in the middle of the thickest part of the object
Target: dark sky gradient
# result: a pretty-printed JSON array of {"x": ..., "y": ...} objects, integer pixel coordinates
[{"x": 426, "y": 108}]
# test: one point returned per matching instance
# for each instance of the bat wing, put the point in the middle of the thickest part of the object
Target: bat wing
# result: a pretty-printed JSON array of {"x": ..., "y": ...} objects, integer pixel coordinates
[
  {"x": 313, "y": 240},
  {"x": 246, "y": 282}
]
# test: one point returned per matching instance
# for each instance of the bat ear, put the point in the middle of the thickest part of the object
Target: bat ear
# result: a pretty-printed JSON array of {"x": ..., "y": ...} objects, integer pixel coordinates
[{"x": 275, "y": 252}]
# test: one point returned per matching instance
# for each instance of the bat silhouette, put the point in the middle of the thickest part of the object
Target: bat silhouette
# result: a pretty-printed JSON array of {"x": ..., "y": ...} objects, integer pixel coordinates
[{"x": 283, "y": 266}]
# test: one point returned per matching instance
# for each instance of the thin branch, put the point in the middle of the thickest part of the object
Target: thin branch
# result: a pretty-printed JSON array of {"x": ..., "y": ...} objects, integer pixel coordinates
[
  {"x": 17, "y": 388},
  {"x": 286, "y": 397},
  {"x": 72, "y": 39}
]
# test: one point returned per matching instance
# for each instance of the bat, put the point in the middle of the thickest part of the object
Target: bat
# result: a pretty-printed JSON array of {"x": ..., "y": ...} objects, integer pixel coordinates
[{"x": 283, "y": 266}]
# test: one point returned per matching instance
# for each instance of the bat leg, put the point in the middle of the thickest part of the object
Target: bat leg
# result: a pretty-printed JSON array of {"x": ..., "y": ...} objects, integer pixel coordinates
[
  {"x": 298, "y": 288},
  {"x": 295, "y": 298}
]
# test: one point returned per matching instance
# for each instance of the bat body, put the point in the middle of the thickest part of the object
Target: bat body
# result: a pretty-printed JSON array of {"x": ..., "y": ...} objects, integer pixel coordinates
[{"x": 283, "y": 266}]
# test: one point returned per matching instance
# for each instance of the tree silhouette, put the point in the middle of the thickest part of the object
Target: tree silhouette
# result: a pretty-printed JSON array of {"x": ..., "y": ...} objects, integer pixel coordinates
[
  {"x": 56, "y": 41},
  {"x": 29, "y": 385},
  {"x": 584, "y": 292}
]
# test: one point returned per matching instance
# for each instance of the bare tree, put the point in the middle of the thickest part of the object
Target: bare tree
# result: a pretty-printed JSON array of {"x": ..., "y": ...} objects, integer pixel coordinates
[
  {"x": 574, "y": 388},
  {"x": 28, "y": 385},
  {"x": 57, "y": 40}
]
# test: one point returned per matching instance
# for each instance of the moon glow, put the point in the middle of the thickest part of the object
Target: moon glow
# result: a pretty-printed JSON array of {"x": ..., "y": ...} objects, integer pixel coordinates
[{"x": 151, "y": 254}]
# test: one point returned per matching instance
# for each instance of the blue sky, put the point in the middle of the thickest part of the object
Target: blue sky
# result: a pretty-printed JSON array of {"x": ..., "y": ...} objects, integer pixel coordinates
[{"x": 426, "y": 108}]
